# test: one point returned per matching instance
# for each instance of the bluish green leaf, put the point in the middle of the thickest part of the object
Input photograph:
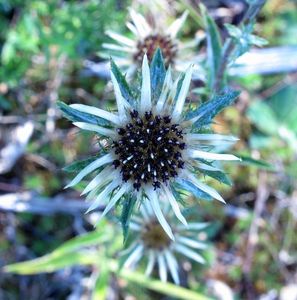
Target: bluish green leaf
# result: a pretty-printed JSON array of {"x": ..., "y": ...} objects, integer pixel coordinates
[
  {"x": 178, "y": 194},
  {"x": 257, "y": 40},
  {"x": 208, "y": 110},
  {"x": 127, "y": 210},
  {"x": 158, "y": 73},
  {"x": 190, "y": 187},
  {"x": 179, "y": 85},
  {"x": 79, "y": 165},
  {"x": 219, "y": 176},
  {"x": 124, "y": 87},
  {"x": 214, "y": 45},
  {"x": 75, "y": 115},
  {"x": 258, "y": 163},
  {"x": 233, "y": 31}
]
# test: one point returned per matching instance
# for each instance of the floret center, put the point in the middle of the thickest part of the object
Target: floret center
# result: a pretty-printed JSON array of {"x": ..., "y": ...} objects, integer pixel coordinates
[
  {"x": 154, "y": 237},
  {"x": 150, "y": 44},
  {"x": 149, "y": 149}
]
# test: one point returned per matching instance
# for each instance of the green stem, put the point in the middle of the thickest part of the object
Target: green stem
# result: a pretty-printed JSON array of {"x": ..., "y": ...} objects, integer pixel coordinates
[
  {"x": 229, "y": 45},
  {"x": 165, "y": 288}
]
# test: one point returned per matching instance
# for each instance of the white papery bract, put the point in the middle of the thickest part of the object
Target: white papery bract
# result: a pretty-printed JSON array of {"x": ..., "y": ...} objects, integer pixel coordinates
[
  {"x": 146, "y": 38},
  {"x": 153, "y": 146},
  {"x": 149, "y": 242}
]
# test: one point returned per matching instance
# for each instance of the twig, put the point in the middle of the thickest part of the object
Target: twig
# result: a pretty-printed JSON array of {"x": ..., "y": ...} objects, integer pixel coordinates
[
  {"x": 11, "y": 120},
  {"x": 16, "y": 146},
  {"x": 53, "y": 88},
  {"x": 261, "y": 198},
  {"x": 10, "y": 187},
  {"x": 285, "y": 82},
  {"x": 38, "y": 159},
  {"x": 32, "y": 203}
]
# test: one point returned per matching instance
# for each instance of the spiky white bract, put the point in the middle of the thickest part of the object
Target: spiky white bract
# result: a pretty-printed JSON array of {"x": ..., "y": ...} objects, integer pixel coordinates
[
  {"x": 180, "y": 101},
  {"x": 149, "y": 153},
  {"x": 97, "y": 112},
  {"x": 145, "y": 100},
  {"x": 149, "y": 243},
  {"x": 146, "y": 38}
]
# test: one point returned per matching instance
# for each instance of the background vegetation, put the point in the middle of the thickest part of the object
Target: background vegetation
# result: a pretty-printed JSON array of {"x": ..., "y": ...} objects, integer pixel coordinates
[{"x": 44, "y": 46}]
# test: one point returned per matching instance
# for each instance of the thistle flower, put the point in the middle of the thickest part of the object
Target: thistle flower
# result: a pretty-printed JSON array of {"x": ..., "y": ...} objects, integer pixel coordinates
[
  {"x": 128, "y": 53},
  {"x": 152, "y": 149},
  {"x": 150, "y": 241}
]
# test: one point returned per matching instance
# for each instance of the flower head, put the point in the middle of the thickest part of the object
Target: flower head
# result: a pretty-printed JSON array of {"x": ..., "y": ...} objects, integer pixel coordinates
[
  {"x": 152, "y": 148},
  {"x": 147, "y": 39},
  {"x": 150, "y": 241}
]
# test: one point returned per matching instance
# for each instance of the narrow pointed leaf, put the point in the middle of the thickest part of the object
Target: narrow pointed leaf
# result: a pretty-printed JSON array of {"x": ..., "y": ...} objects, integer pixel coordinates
[
  {"x": 179, "y": 85},
  {"x": 190, "y": 187},
  {"x": 219, "y": 176},
  {"x": 214, "y": 45},
  {"x": 127, "y": 210},
  {"x": 208, "y": 110},
  {"x": 258, "y": 163},
  {"x": 75, "y": 115},
  {"x": 158, "y": 73},
  {"x": 215, "y": 173},
  {"x": 124, "y": 87},
  {"x": 77, "y": 166}
]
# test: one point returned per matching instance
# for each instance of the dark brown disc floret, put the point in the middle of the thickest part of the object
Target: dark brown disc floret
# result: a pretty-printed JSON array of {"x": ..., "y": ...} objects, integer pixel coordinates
[
  {"x": 151, "y": 43},
  {"x": 149, "y": 149},
  {"x": 154, "y": 237}
]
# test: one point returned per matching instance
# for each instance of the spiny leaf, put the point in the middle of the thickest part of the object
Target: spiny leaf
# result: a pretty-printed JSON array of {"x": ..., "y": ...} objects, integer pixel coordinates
[
  {"x": 75, "y": 115},
  {"x": 179, "y": 85},
  {"x": 216, "y": 174},
  {"x": 127, "y": 211},
  {"x": 79, "y": 165},
  {"x": 208, "y": 110},
  {"x": 158, "y": 73},
  {"x": 190, "y": 187},
  {"x": 219, "y": 176},
  {"x": 124, "y": 87},
  {"x": 258, "y": 163}
]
